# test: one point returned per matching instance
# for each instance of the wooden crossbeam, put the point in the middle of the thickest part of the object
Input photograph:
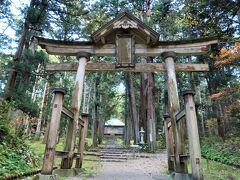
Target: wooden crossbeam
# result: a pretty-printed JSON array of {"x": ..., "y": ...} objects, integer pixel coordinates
[
  {"x": 182, "y": 158},
  {"x": 139, "y": 67},
  {"x": 64, "y": 154},
  {"x": 180, "y": 115},
  {"x": 69, "y": 114},
  {"x": 73, "y": 48},
  {"x": 169, "y": 124}
]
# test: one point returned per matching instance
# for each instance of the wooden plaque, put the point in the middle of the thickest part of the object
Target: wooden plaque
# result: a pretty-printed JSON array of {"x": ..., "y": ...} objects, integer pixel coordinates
[{"x": 125, "y": 50}]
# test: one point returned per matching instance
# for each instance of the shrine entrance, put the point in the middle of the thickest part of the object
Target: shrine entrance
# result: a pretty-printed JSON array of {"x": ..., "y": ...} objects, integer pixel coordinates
[{"x": 126, "y": 37}]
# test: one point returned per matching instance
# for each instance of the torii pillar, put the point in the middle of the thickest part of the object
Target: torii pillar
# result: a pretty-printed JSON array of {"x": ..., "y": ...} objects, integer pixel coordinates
[
  {"x": 47, "y": 167},
  {"x": 174, "y": 107},
  {"x": 76, "y": 103}
]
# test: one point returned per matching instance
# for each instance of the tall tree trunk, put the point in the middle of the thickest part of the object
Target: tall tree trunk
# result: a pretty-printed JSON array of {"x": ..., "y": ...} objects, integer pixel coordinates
[
  {"x": 101, "y": 123},
  {"x": 151, "y": 116},
  {"x": 39, "y": 123},
  {"x": 216, "y": 109},
  {"x": 212, "y": 88},
  {"x": 13, "y": 73},
  {"x": 127, "y": 130},
  {"x": 88, "y": 98},
  {"x": 132, "y": 103},
  {"x": 143, "y": 100},
  {"x": 23, "y": 43},
  {"x": 201, "y": 113},
  {"x": 220, "y": 121},
  {"x": 95, "y": 112},
  {"x": 34, "y": 89},
  {"x": 100, "y": 131}
]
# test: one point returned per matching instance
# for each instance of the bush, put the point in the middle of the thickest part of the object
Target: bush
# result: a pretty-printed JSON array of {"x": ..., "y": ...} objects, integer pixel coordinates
[
  {"x": 226, "y": 152},
  {"x": 16, "y": 157}
]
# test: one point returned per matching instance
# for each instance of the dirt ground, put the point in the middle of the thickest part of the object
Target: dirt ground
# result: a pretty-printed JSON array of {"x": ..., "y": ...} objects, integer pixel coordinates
[
  {"x": 118, "y": 163},
  {"x": 139, "y": 169}
]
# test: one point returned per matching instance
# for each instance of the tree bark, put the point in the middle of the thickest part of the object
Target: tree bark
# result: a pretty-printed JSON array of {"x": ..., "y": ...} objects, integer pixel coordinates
[
  {"x": 95, "y": 112},
  {"x": 39, "y": 123},
  {"x": 100, "y": 131},
  {"x": 132, "y": 103},
  {"x": 151, "y": 116},
  {"x": 127, "y": 130},
  {"x": 13, "y": 73},
  {"x": 23, "y": 43},
  {"x": 143, "y": 100}
]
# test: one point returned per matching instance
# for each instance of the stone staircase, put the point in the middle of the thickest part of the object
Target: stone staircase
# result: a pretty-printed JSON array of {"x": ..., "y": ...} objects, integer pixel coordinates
[{"x": 112, "y": 152}]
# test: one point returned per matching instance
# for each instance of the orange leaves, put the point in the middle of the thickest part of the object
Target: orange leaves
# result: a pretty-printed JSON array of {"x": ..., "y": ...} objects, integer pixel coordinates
[
  {"x": 237, "y": 46},
  {"x": 216, "y": 95},
  {"x": 228, "y": 56},
  {"x": 223, "y": 93}
]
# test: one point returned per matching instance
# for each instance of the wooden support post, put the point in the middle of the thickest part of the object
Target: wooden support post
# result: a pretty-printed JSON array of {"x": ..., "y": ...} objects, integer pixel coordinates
[
  {"x": 174, "y": 107},
  {"x": 76, "y": 103},
  {"x": 83, "y": 133},
  {"x": 48, "y": 161},
  {"x": 169, "y": 142},
  {"x": 193, "y": 136}
]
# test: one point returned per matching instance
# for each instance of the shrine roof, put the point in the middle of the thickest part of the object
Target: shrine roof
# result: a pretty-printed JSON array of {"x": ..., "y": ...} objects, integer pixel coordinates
[
  {"x": 123, "y": 23},
  {"x": 42, "y": 41}
]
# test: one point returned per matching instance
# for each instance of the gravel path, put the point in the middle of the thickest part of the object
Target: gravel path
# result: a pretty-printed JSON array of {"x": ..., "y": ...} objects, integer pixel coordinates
[
  {"x": 138, "y": 166},
  {"x": 139, "y": 169}
]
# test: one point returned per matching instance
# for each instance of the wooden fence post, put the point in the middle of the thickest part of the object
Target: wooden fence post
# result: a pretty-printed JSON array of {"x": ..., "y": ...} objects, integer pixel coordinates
[
  {"x": 76, "y": 103},
  {"x": 193, "y": 136},
  {"x": 83, "y": 133},
  {"x": 174, "y": 107},
  {"x": 169, "y": 142},
  {"x": 48, "y": 161}
]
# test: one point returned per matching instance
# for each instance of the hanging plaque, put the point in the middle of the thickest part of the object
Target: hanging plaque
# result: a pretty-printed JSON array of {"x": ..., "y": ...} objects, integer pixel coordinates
[{"x": 125, "y": 50}]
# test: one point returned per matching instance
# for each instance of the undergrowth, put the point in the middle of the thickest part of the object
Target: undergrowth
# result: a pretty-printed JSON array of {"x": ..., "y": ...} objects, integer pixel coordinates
[
  {"x": 16, "y": 156},
  {"x": 227, "y": 152}
]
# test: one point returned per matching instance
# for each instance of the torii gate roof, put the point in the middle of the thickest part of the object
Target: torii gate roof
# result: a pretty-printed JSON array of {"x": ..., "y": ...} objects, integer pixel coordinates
[{"x": 125, "y": 21}]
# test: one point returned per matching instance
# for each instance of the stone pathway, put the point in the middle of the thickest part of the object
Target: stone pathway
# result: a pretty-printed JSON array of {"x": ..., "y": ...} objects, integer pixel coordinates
[{"x": 123, "y": 164}]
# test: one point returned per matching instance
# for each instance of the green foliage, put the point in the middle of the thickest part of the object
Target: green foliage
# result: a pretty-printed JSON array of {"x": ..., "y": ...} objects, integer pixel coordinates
[
  {"x": 24, "y": 102},
  {"x": 213, "y": 170},
  {"x": 226, "y": 152},
  {"x": 27, "y": 68},
  {"x": 11, "y": 162},
  {"x": 5, "y": 129},
  {"x": 16, "y": 157}
]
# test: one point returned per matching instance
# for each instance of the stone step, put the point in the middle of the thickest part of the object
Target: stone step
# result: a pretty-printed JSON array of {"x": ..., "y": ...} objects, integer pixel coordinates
[
  {"x": 117, "y": 155},
  {"x": 115, "y": 150},
  {"x": 113, "y": 160},
  {"x": 108, "y": 153},
  {"x": 106, "y": 160},
  {"x": 106, "y": 147},
  {"x": 111, "y": 152},
  {"x": 93, "y": 153},
  {"x": 113, "y": 157}
]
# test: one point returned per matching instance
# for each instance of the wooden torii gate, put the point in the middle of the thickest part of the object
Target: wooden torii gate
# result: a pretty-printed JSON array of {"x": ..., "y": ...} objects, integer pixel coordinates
[{"x": 126, "y": 37}]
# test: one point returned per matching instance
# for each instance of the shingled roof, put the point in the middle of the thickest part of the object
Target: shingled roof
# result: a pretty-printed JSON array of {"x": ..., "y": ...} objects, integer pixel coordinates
[{"x": 125, "y": 22}]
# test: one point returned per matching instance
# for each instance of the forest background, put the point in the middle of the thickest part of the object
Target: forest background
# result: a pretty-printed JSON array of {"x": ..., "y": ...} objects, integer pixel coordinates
[{"x": 25, "y": 86}]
